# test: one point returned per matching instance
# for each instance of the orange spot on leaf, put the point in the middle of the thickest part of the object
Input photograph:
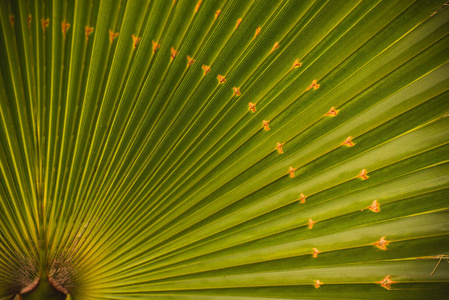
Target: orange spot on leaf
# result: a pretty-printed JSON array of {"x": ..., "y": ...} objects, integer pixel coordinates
[
  {"x": 318, "y": 284},
  {"x": 386, "y": 282},
  {"x": 348, "y": 142},
  {"x": 314, "y": 85},
  {"x": 156, "y": 46},
  {"x": 363, "y": 175},
  {"x": 291, "y": 172},
  {"x": 221, "y": 79},
  {"x": 296, "y": 64},
  {"x": 189, "y": 61},
  {"x": 238, "y": 23},
  {"x": 252, "y": 108},
  {"x": 173, "y": 53},
  {"x": 65, "y": 26},
  {"x": 375, "y": 207},
  {"x": 44, "y": 24},
  {"x": 206, "y": 69},
  {"x": 88, "y": 30},
  {"x": 136, "y": 40},
  {"x": 311, "y": 222},
  {"x": 382, "y": 243},
  {"x": 112, "y": 35},
  {"x": 29, "y": 21},
  {"x": 11, "y": 20},
  {"x": 316, "y": 252},
  {"x": 236, "y": 91},
  {"x": 257, "y": 32},
  {"x": 265, "y": 125},
  {"x": 279, "y": 147},
  {"x": 197, "y": 7},
  {"x": 302, "y": 199},
  {"x": 217, "y": 13},
  {"x": 276, "y": 45},
  {"x": 332, "y": 112}
]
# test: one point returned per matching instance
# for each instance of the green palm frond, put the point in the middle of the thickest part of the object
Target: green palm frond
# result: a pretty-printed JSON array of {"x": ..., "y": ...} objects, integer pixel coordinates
[{"x": 224, "y": 149}]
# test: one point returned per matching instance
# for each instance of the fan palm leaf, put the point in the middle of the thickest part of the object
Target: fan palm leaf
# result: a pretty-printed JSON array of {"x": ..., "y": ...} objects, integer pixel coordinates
[{"x": 224, "y": 149}]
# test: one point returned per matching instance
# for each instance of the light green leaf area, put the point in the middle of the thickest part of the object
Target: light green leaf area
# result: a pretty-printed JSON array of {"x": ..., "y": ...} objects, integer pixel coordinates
[{"x": 224, "y": 149}]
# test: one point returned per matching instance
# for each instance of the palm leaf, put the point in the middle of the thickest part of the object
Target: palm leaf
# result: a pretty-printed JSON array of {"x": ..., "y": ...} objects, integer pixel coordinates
[{"x": 224, "y": 149}]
